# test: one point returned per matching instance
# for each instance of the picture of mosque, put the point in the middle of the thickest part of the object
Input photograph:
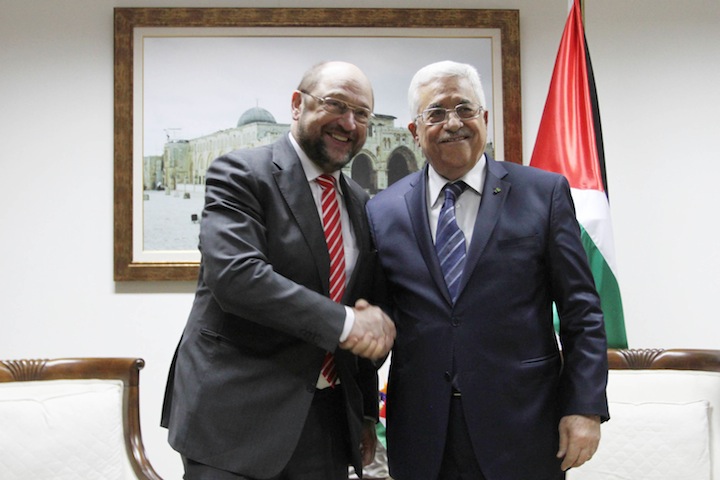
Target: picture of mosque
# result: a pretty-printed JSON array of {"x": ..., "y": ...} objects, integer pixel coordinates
[
  {"x": 389, "y": 152},
  {"x": 174, "y": 182}
]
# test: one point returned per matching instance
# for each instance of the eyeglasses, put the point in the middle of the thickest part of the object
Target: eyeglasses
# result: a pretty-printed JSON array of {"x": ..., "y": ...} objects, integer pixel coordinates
[
  {"x": 464, "y": 111},
  {"x": 338, "y": 107}
]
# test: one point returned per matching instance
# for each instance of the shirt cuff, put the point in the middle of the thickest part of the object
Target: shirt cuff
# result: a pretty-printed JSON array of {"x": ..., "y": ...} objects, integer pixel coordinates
[{"x": 349, "y": 322}]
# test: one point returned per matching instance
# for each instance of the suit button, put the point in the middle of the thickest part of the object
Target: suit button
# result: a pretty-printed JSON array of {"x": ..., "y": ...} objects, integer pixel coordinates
[{"x": 455, "y": 321}]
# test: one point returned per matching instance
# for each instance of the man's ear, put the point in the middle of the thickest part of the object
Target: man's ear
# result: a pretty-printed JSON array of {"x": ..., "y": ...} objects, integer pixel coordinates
[
  {"x": 412, "y": 126},
  {"x": 296, "y": 104}
]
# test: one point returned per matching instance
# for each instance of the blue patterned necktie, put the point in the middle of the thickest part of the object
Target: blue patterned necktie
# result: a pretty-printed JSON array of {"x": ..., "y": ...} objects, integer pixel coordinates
[{"x": 450, "y": 241}]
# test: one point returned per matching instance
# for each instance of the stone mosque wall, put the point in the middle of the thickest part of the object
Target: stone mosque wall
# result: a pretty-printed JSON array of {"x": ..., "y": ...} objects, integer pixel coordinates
[{"x": 389, "y": 152}]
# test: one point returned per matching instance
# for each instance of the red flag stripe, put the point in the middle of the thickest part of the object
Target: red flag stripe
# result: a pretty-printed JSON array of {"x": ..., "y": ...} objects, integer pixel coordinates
[{"x": 566, "y": 141}]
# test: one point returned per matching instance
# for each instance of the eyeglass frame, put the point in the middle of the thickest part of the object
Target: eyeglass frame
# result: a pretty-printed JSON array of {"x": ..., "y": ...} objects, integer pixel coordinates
[
  {"x": 344, "y": 106},
  {"x": 480, "y": 110}
]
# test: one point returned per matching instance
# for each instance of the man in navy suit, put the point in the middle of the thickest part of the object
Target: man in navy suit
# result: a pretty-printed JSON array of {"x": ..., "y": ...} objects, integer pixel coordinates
[
  {"x": 246, "y": 398},
  {"x": 479, "y": 387}
]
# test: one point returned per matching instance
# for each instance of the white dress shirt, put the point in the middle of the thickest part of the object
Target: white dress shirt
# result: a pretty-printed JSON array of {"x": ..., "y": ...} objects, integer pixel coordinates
[
  {"x": 466, "y": 206},
  {"x": 312, "y": 171}
]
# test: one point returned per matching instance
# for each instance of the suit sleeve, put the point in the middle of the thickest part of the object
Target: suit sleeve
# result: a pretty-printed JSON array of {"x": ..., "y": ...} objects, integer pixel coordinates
[
  {"x": 235, "y": 247},
  {"x": 582, "y": 329}
]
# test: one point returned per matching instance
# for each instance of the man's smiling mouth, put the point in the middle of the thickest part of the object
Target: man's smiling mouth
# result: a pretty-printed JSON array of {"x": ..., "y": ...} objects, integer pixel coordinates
[
  {"x": 456, "y": 138},
  {"x": 339, "y": 137}
]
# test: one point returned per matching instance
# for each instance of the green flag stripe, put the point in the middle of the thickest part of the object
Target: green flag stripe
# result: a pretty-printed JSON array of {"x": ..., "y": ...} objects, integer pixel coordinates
[
  {"x": 607, "y": 287},
  {"x": 380, "y": 429}
]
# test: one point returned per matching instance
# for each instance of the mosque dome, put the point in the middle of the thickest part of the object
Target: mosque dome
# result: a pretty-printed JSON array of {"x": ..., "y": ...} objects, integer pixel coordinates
[{"x": 255, "y": 115}]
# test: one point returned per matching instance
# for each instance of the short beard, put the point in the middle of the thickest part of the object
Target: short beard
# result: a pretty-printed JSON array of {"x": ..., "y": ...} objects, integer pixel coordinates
[{"x": 317, "y": 151}]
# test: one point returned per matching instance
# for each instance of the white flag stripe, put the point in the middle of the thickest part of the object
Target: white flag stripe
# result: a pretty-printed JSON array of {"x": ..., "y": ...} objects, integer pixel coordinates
[{"x": 593, "y": 213}]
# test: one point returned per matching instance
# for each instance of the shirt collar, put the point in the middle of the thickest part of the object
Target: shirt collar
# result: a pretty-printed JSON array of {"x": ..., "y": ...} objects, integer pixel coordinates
[
  {"x": 474, "y": 179},
  {"x": 312, "y": 171}
]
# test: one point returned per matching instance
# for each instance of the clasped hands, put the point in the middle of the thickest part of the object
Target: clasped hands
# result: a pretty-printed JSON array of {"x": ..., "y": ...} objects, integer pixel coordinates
[{"x": 373, "y": 333}]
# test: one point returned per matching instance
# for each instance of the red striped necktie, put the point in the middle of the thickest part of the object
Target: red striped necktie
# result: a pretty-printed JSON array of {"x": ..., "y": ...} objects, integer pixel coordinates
[{"x": 333, "y": 236}]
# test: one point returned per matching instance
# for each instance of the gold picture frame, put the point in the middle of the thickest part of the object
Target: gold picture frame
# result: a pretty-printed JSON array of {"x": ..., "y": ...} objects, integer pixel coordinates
[{"x": 178, "y": 22}]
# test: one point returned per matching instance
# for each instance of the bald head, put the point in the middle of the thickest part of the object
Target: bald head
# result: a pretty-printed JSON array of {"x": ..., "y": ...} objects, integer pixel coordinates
[
  {"x": 331, "y": 111},
  {"x": 340, "y": 72}
]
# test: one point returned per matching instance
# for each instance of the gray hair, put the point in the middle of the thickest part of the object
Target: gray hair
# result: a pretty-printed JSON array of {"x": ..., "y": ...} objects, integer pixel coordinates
[{"x": 439, "y": 70}]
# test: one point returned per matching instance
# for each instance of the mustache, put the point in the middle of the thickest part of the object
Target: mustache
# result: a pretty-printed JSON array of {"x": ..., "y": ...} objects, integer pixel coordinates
[{"x": 462, "y": 133}]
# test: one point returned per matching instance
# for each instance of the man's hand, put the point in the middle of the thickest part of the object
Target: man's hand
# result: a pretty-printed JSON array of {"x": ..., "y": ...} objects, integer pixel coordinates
[
  {"x": 579, "y": 439},
  {"x": 368, "y": 442},
  {"x": 373, "y": 333}
]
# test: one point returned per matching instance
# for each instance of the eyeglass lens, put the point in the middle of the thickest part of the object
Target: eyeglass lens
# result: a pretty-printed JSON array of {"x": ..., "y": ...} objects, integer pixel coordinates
[
  {"x": 338, "y": 107},
  {"x": 464, "y": 111}
]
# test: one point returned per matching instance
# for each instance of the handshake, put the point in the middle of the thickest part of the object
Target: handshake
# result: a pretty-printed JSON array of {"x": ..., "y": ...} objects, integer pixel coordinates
[{"x": 373, "y": 333}]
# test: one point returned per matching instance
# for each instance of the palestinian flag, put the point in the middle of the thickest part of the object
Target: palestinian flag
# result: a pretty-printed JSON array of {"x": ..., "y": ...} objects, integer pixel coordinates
[
  {"x": 380, "y": 426},
  {"x": 569, "y": 141}
]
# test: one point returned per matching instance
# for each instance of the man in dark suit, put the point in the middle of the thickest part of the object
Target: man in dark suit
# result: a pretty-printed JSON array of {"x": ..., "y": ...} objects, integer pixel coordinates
[
  {"x": 250, "y": 395},
  {"x": 478, "y": 387}
]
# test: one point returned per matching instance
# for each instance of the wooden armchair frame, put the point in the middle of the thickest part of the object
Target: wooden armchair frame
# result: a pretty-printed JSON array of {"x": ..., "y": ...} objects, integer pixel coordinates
[
  {"x": 671, "y": 359},
  {"x": 126, "y": 370}
]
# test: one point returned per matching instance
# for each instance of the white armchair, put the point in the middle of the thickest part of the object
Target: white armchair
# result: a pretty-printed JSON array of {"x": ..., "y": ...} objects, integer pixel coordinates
[
  {"x": 75, "y": 418},
  {"x": 664, "y": 418}
]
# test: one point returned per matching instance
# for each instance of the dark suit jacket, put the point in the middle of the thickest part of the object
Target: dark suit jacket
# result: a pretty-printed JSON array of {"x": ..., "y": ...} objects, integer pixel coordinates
[
  {"x": 244, "y": 374},
  {"x": 497, "y": 343}
]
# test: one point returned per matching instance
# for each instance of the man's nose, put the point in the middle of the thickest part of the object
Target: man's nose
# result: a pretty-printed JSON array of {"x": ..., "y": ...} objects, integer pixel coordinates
[
  {"x": 347, "y": 120},
  {"x": 453, "y": 120}
]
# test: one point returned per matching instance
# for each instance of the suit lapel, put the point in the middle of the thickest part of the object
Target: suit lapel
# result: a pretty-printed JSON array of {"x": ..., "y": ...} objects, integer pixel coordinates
[
  {"x": 356, "y": 212},
  {"x": 416, "y": 201},
  {"x": 294, "y": 188},
  {"x": 495, "y": 191}
]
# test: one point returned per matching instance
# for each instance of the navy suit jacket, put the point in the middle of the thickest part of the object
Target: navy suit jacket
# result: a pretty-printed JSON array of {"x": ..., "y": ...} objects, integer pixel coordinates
[
  {"x": 496, "y": 343},
  {"x": 244, "y": 374}
]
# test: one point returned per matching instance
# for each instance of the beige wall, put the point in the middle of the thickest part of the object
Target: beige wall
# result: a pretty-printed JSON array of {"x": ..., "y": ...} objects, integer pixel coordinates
[{"x": 657, "y": 66}]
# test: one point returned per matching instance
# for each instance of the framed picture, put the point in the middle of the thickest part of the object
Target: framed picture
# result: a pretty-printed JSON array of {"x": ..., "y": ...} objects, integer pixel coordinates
[{"x": 194, "y": 83}]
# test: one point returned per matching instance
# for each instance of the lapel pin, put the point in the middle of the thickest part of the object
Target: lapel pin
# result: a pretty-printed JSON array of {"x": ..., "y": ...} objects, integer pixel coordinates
[{"x": 496, "y": 191}]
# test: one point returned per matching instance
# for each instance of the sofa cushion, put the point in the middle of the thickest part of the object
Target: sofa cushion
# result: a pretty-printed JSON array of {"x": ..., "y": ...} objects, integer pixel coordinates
[{"x": 62, "y": 429}]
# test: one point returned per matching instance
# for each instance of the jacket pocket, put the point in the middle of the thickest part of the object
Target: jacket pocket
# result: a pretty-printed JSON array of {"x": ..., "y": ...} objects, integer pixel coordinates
[
  {"x": 543, "y": 359},
  {"x": 518, "y": 241}
]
